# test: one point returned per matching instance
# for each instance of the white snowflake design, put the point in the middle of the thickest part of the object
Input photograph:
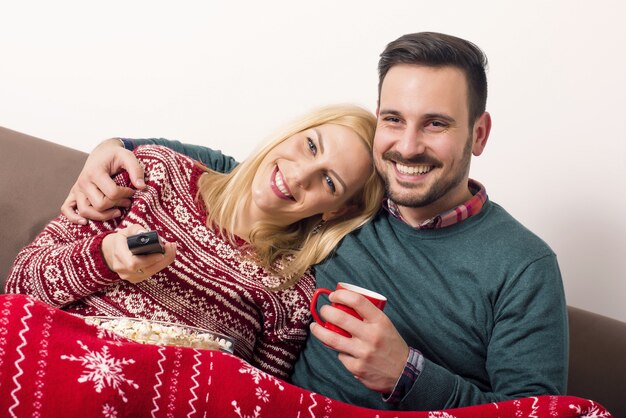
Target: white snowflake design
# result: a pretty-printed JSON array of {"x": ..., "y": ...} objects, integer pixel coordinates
[
  {"x": 108, "y": 411},
  {"x": 103, "y": 370},
  {"x": 256, "y": 413},
  {"x": 262, "y": 395},
  {"x": 258, "y": 375},
  {"x": 593, "y": 411},
  {"x": 439, "y": 414}
]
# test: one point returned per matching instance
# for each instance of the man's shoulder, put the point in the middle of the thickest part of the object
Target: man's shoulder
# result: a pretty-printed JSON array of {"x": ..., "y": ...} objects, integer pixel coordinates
[
  {"x": 507, "y": 232},
  {"x": 493, "y": 226}
]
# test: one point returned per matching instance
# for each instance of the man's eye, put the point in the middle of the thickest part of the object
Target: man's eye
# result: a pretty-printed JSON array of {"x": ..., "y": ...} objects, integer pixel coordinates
[
  {"x": 438, "y": 124},
  {"x": 392, "y": 119},
  {"x": 312, "y": 146},
  {"x": 330, "y": 183}
]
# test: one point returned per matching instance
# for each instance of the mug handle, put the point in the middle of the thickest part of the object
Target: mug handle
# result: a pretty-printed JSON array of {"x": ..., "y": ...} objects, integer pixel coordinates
[{"x": 313, "y": 306}]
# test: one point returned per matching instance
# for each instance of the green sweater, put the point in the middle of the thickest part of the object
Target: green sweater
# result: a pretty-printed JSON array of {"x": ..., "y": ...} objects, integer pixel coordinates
[{"x": 482, "y": 300}]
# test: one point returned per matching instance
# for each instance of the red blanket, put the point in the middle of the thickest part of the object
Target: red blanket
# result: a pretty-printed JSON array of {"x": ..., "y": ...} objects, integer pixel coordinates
[{"x": 53, "y": 364}]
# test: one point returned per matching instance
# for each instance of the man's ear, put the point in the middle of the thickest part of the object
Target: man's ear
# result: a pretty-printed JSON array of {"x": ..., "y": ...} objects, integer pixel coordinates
[
  {"x": 482, "y": 127},
  {"x": 348, "y": 208}
]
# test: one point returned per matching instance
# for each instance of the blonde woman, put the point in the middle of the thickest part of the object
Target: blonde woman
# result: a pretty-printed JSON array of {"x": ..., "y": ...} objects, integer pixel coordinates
[{"x": 238, "y": 246}]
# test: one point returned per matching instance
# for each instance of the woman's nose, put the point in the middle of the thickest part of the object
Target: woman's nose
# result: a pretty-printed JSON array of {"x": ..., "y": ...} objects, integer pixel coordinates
[{"x": 303, "y": 174}]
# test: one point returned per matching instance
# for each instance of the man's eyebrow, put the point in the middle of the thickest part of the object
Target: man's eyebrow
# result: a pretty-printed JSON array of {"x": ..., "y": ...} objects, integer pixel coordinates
[
  {"x": 320, "y": 143},
  {"x": 427, "y": 116},
  {"x": 443, "y": 116},
  {"x": 389, "y": 112}
]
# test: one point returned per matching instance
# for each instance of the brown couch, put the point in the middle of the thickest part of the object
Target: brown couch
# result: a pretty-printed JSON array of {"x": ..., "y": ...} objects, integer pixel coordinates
[{"x": 35, "y": 176}]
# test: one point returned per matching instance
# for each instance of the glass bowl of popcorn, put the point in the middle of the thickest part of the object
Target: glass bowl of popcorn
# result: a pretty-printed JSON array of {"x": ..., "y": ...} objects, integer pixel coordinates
[{"x": 147, "y": 331}]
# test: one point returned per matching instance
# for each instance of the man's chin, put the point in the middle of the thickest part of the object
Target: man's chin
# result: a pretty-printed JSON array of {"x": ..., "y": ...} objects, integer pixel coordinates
[{"x": 409, "y": 198}]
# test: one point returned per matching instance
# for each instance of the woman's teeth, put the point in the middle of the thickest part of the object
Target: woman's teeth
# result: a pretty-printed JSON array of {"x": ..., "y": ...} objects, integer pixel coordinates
[
  {"x": 413, "y": 170},
  {"x": 278, "y": 180}
]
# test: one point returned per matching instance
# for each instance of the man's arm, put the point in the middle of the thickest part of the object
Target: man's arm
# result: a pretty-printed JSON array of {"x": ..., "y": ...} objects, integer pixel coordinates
[
  {"x": 214, "y": 159},
  {"x": 526, "y": 353},
  {"x": 95, "y": 196}
]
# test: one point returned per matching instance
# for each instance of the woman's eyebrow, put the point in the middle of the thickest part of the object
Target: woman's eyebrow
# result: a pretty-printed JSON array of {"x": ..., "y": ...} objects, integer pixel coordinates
[{"x": 320, "y": 140}]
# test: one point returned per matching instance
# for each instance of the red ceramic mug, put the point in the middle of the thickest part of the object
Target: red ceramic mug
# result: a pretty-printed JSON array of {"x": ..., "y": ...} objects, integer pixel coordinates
[{"x": 377, "y": 299}]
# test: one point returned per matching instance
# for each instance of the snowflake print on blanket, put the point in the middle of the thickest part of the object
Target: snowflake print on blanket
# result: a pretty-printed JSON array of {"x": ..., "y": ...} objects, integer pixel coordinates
[
  {"x": 262, "y": 395},
  {"x": 103, "y": 370},
  {"x": 108, "y": 411},
  {"x": 593, "y": 412},
  {"x": 258, "y": 375},
  {"x": 255, "y": 414},
  {"x": 439, "y": 414}
]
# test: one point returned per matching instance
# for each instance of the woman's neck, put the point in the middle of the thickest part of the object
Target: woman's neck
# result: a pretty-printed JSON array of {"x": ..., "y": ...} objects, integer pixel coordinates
[{"x": 243, "y": 222}]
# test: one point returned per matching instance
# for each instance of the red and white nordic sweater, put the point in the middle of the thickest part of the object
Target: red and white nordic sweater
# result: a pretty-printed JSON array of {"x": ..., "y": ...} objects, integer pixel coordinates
[{"x": 211, "y": 284}]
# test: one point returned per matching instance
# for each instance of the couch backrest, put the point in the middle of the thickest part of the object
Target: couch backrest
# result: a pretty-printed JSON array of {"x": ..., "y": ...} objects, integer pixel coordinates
[{"x": 35, "y": 177}]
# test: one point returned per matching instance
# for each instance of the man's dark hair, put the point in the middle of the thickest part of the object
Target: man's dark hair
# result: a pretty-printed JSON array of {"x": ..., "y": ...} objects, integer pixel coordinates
[{"x": 440, "y": 50}]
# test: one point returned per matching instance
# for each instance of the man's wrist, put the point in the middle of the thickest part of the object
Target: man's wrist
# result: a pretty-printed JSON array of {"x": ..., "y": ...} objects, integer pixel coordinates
[{"x": 412, "y": 369}]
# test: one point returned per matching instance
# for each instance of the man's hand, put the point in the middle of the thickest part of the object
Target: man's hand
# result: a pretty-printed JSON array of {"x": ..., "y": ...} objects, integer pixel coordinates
[
  {"x": 376, "y": 354},
  {"x": 95, "y": 195},
  {"x": 134, "y": 268}
]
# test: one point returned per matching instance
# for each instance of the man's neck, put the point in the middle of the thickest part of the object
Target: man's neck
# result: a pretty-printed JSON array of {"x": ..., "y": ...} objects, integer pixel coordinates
[{"x": 416, "y": 216}]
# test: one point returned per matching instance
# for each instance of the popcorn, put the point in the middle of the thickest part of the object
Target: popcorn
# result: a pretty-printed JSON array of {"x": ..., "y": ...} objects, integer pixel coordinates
[{"x": 162, "y": 333}]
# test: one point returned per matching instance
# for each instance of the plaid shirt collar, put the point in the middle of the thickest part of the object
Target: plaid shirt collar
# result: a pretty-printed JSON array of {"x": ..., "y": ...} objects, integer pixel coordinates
[{"x": 452, "y": 216}]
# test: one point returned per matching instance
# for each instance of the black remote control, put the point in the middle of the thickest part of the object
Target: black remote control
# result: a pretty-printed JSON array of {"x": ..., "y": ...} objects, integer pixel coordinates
[{"x": 145, "y": 243}]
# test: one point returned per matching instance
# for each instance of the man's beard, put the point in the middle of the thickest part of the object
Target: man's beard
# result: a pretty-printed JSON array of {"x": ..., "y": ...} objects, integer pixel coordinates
[{"x": 439, "y": 189}]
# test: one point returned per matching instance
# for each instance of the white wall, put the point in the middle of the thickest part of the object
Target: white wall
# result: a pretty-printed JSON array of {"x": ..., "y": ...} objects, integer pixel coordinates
[{"x": 225, "y": 74}]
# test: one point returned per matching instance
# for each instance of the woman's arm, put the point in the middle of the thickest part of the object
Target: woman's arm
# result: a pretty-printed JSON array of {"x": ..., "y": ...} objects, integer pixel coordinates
[
  {"x": 286, "y": 319},
  {"x": 63, "y": 264},
  {"x": 67, "y": 261}
]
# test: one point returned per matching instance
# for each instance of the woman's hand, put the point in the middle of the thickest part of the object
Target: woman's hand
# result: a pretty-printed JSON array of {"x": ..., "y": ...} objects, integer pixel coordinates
[
  {"x": 95, "y": 195},
  {"x": 134, "y": 268}
]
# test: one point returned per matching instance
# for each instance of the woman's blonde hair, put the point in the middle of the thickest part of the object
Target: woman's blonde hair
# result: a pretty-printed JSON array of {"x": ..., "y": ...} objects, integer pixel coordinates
[{"x": 290, "y": 251}]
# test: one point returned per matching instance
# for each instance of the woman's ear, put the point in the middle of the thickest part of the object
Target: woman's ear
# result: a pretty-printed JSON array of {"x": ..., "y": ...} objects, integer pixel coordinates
[{"x": 327, "y": 216}]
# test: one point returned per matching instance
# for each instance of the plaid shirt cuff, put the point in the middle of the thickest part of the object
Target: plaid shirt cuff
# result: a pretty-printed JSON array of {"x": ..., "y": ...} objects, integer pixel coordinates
[{"x": 412, "y": 370}]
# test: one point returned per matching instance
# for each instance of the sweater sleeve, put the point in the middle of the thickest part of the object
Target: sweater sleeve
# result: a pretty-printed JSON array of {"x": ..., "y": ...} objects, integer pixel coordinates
[
  {"x": 527, "y": 353},
  {"x": 64, "y": 263},
  {"x": 286, "y": 317},
  {"x": 276, "y": 356},
  {"x": 214, "y": 159}
]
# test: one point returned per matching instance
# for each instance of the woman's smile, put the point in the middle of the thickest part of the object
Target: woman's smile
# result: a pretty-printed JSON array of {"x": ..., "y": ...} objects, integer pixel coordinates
[{"x": 279, "y": 185}]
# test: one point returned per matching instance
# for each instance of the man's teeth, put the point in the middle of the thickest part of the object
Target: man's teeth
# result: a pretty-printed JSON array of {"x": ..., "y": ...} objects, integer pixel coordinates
[
  {"x": 278, "y": 180},
  {"x": 413, "y": 170}
]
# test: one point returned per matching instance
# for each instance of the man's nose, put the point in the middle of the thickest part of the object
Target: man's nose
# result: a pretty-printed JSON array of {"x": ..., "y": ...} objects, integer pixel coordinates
[{"x": 411, "y": 143}]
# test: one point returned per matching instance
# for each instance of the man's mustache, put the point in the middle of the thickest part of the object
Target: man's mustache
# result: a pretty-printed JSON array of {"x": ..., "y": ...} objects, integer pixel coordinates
[{"x": 418, "y": 159}]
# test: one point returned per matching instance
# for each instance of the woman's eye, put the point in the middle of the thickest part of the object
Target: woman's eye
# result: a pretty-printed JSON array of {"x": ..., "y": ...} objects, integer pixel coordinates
[
  {"x": 330, "y": 183},
  {"x": 312, "y": 146}
]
